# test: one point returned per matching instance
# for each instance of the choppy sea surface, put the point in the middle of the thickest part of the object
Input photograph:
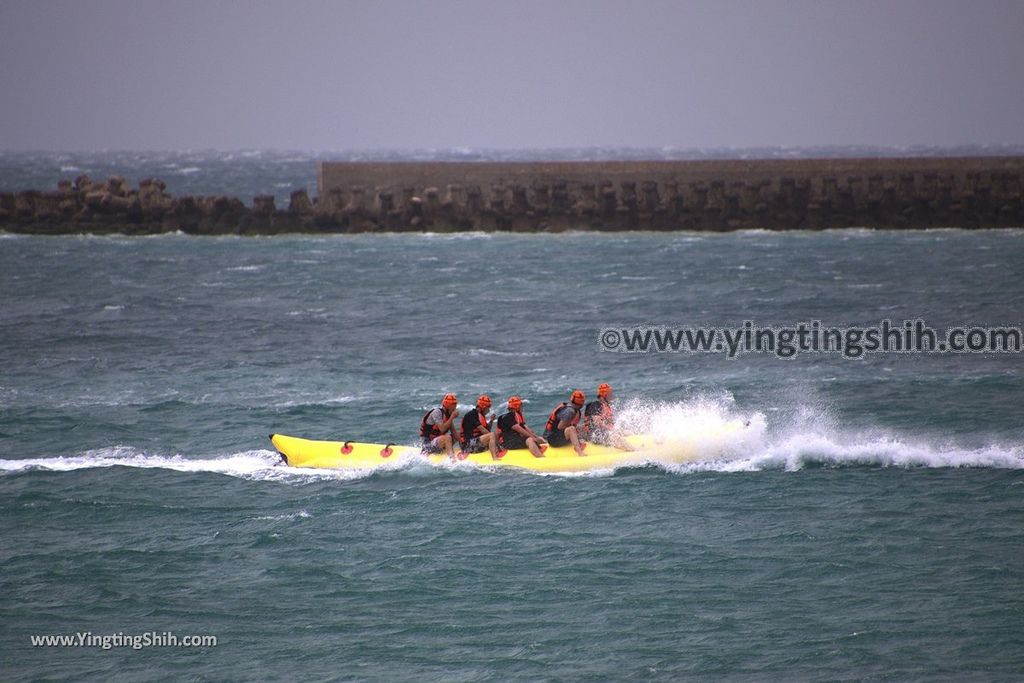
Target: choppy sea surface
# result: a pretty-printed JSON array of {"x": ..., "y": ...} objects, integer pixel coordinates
[{"x": 871, "y": 529}]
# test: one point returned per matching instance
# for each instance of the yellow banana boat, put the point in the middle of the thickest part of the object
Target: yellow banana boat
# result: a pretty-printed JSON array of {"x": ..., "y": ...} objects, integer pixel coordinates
[{"x": 647, "y": 449}]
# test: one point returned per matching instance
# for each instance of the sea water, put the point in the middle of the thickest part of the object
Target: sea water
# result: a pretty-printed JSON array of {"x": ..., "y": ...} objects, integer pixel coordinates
[{"x": 868, "y": 527}]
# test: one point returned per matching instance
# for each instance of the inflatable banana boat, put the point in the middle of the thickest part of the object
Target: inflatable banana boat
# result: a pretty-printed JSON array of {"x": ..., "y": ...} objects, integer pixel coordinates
[{"x": 708, "y": 443}]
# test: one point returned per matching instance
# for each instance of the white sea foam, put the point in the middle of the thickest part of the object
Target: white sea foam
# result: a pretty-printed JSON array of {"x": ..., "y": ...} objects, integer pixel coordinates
[
  {"x": 301, "y": 514},
  {"x": 306, "y": 400},
  {"x": 810, "y": 437},
  {"x": 337, "y": 400},
  {"x": 456, "y": 236},
  {"x": 800, "y": 451},
  {"x": 494, "y": 352},
  {"x": 256, "y": 464}
]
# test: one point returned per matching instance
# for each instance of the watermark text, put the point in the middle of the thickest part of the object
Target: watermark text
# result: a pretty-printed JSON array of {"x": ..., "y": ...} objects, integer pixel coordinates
[
  {"x": 110, "y": 641},
  {"x": 910, "y": 336}
]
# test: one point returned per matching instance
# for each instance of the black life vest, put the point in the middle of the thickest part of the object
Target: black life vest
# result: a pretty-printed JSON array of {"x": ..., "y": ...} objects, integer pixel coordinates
[
  {"x": 430, "y": 432},
  {"x": 505, "y": 424},
  {"x": 552, "y": 424},
  {"x": 480, "y": 425}
]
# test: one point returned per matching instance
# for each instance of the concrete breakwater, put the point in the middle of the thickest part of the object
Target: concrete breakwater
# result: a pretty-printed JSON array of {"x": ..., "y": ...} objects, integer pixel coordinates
[
  {"x": 972, "y": 192},
  {"x": 969, "y": 192}
]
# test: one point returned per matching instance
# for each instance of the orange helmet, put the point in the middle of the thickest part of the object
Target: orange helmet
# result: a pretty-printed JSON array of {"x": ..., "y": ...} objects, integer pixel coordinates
[
  {"x": 450, "y": 401},
  {"x": 578, "y": 398},
  {"x": 603, "y": 390},
  {"x": 484, "y": 401},
  {"x": 515, "y": 403}
]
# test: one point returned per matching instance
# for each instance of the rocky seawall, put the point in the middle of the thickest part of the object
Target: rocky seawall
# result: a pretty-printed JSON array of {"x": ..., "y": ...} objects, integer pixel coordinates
[
  {"x": 968, "y": 192},
  {"x": 113, "y": 206}
]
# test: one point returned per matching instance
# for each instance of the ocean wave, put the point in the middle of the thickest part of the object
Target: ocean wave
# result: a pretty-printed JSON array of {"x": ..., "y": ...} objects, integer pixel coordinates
[
  {"x": 311, "y": 312},
  {"x": 494, "y": 352},
  {"x": 318, "y": 403},
  {"x": 457, "y": 236},
  {"x": 301, "y": 514}
]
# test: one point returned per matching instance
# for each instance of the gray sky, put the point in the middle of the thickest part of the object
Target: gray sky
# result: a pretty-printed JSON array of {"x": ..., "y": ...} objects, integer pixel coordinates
[{"x": 138, "y": 74}]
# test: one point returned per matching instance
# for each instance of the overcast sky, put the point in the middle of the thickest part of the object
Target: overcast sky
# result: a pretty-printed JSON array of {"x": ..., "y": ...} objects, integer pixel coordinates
[{"x": 90, "y": 74}]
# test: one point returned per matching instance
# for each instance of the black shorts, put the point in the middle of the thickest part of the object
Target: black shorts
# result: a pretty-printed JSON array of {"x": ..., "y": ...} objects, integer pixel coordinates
[
  {"x": 556, "y": 438},
  {"x": 513, "y": 442}
]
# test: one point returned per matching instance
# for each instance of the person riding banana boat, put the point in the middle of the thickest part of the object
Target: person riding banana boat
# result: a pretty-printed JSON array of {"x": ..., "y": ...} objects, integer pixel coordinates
[
  {"x": 477, "y": 436},
  {"x": 437, "y": 428},
  {"x": 599, "y": 420},
  {"x": 561, "y": 427},
  {"x": 513, "y": 433}
]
